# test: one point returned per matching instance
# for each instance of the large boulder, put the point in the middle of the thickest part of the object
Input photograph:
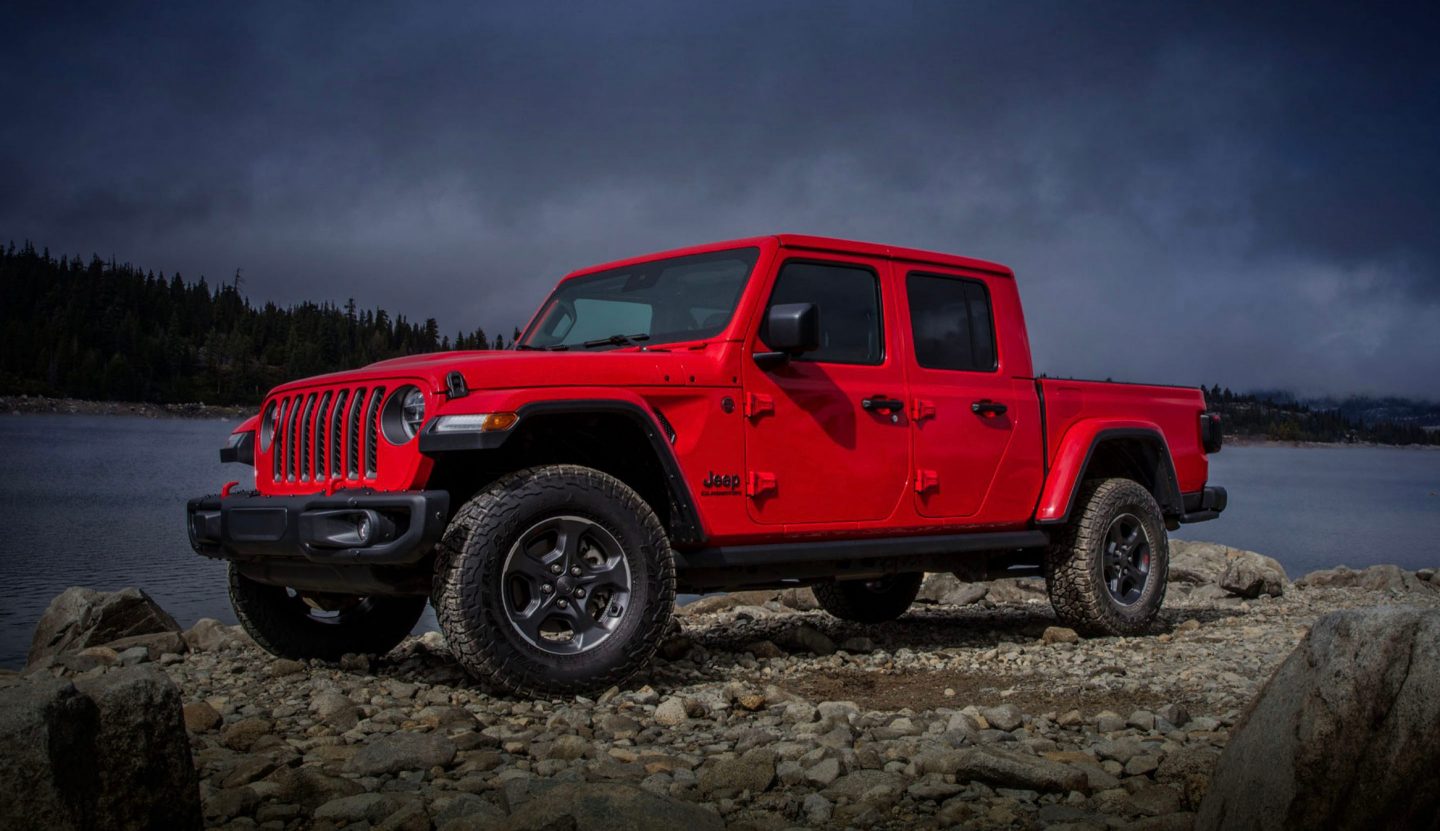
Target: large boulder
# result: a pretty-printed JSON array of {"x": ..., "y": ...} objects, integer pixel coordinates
[
  {"x": 609, "y": 806},
  {"x": 1248, "y": 574},
  {"x": 1197, "y": 563},
  {"x": 105, "y": 752},
  {"x": 1374, "y": 578},
  {"x": 81, "y": 617},
  {"x": 1345, "y": 734}
]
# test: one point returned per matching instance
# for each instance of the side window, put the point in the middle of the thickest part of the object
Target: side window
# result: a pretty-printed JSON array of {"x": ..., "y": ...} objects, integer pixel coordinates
[
  {"x": 849, "y": 301},
  {"x": 952, "y": 323}
]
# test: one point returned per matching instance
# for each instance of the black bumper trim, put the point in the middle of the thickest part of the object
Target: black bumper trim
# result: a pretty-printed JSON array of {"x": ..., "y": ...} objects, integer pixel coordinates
[
  {"x": 249, "y": 527},
  {"x": 1206, "y": 504}
]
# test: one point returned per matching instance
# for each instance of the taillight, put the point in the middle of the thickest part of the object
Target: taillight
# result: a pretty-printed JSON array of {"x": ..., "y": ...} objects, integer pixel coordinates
[{"x": 1211, "y": 437}]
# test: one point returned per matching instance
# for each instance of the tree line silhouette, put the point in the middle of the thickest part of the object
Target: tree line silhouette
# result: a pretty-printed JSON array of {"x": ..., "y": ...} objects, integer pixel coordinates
[
  {"x": 114, "y": 332},
  {"x": 1282, "y": 418}
]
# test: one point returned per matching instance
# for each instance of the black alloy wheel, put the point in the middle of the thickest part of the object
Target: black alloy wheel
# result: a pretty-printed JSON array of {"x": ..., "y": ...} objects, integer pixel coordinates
[
  {"x": 566, "y": 584},
  {"x": 1126, "y": 559}
]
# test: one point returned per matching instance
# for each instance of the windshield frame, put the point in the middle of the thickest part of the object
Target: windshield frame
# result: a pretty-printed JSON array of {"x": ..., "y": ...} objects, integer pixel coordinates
[{"x": 752, "y": 253}]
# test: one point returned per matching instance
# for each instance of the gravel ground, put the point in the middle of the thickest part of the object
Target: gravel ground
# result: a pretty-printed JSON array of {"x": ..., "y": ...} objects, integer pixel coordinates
[{"x": 773, "y": 715}]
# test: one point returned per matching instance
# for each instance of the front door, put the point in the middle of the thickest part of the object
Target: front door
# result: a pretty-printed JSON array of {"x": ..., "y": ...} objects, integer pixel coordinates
[{"x": 826, "y": 435}]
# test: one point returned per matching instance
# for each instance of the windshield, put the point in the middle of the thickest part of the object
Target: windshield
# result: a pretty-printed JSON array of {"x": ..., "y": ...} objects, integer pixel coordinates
[{"x": 662, "y": 301}]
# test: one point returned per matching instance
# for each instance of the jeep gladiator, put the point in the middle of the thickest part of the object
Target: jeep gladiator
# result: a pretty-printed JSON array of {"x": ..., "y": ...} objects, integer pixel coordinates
[{"x": 779, "y": 411}]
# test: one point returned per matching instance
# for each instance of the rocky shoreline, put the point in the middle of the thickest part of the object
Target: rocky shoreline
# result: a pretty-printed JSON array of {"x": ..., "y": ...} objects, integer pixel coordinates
[
  {"x": 40, "y": 405},
  {"x": 974, "y": 709}
]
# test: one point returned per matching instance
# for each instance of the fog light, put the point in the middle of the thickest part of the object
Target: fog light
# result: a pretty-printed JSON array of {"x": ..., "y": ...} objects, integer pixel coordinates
[{"x": 364, "y": 528}]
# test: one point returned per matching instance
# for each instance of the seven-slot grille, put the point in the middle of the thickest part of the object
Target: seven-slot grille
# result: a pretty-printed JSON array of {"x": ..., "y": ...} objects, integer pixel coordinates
[{"x": 320, "y": 436}]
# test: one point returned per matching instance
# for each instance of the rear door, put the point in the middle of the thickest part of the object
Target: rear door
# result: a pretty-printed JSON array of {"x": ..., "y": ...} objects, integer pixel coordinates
[
  {"x": 963, "y": 408},
  {"x": 816, "y": 452}
]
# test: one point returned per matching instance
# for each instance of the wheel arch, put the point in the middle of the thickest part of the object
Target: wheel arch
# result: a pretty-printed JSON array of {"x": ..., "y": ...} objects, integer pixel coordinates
[
  {"x": 623, "y": 438},
  {"x": 1135, "y": 451}
]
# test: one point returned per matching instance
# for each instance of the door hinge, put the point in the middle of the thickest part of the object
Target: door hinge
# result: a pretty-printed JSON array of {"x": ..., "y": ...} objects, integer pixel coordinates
[
  {"x": 757, "y": 405},
  {"x": 926, "y": 481},
  {"x": 760, "y": 483},
  {"x": 921, "y": 409}
]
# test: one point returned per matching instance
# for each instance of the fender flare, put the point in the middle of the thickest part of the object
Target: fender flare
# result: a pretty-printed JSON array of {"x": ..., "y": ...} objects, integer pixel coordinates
[
  {"x": 685, "y": 523},
  {"x": 1072, "y": 460}
]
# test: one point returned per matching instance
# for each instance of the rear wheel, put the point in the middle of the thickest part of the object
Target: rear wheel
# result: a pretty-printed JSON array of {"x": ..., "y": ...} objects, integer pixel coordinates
[
  {"x": 869, "y": 601},
  {"x": 1106, "y": 572},
  {"x": 554, "y": 580},
  {"x": 324, "y": 626}
]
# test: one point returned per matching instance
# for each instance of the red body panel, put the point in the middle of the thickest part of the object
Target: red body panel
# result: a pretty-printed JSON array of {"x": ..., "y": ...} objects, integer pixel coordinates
[{"x": 812, "y": 462}]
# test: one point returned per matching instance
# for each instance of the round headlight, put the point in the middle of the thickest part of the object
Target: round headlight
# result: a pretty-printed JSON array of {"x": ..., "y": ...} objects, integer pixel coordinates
[
  {"x": 403, "y": 414},
  {"x": 267, "y": 425}
]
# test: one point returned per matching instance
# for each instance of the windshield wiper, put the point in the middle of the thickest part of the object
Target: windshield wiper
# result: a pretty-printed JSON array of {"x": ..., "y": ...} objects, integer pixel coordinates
[
  {"x": 524, "y": 347},
  {"x": 616, "y": 340}
]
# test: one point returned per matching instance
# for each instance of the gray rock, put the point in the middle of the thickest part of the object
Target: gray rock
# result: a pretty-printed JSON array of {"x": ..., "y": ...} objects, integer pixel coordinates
[
  {"x": 817, "y": 809},
  {"x": 1006, "y": 717},
  {"x": 336, "y": 710},
  {"x": 671, "y": 712},
  {"x": 1155, "y": 801},
  {"x": 156, "y": 644},
  {"x": 80, "y": 617},
  {"x": 309, "y": 787},
  {"x": 949, "y": 590},
  {"x": 1188, "y": 770},
  {"x": 466, "y": 811},
  {"x": 1248, "y": 574},
  {"x": 609, "y": 807},
  {"x": 1015, "y": 770},
  {"x": 1196, "y": 563},
  {"x": 1374, "y": 578},
  {"x": 402, "y": 751},
  {"x": 1060, "y": 634},
  {"x": 1345, "y": 734},
  {"x": 369, "y": 807},
  {"x": 875, "y": 786},
  {"x": 806, "y": 638},
  {"x": 752, "y": 771},
  {"x": 134, "y": 656},
  {"x": 209, "y": 635},
  {"x": 109, "y": 751}
]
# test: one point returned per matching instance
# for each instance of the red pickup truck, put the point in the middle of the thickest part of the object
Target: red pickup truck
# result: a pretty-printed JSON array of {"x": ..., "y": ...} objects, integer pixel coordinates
[{"x": 785, "y": 410}]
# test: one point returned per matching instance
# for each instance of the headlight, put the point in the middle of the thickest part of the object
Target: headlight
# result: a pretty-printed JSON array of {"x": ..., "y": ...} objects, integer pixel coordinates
[
  {"x": 274, "y": 414},
  {"x": 403, "y": 414}
]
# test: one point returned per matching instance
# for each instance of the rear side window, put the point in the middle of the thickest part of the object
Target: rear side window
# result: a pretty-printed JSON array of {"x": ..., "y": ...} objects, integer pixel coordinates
[
  {"x": 952, "y": 323},
  {"x": 849, "y": 302}
]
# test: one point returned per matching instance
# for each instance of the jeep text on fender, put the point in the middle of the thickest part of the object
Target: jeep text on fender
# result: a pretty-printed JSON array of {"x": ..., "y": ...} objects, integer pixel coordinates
[{"x": 773, "y": 411}]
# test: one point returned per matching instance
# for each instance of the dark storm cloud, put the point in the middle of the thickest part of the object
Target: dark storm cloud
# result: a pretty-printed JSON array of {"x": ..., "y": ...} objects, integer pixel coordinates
[{"x": 1189, "y": 194}]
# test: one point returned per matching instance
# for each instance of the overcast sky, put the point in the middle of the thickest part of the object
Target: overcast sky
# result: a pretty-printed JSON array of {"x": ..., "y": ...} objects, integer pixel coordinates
[{"x": 1197, "y": 194}]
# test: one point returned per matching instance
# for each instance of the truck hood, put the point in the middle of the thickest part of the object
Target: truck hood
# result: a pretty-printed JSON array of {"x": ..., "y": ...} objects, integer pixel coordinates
[{"x": 504, "y": 369}]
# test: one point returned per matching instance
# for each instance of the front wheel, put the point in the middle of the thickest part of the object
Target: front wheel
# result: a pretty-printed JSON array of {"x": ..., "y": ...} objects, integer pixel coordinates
[
  {"x": 1106, "y": 572},
  {"x": 554, "y": 580},
  {"x": 297, "y": 625},
  {"x": 869, "y": 601}
]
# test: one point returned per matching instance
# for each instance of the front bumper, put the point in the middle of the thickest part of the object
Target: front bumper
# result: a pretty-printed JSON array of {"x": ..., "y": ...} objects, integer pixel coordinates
[
  {"x": 1204, "y": 504},
  {"x": 360, "y": 529}
]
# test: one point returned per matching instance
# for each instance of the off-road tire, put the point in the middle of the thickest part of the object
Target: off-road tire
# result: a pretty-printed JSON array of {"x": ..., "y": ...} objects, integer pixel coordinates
[
  {"x": 869, "y": 601},
  {"x": 1074, "y": 568},
  {"x": 467, "y": 587},
  {"x": 283, "y": 625}
]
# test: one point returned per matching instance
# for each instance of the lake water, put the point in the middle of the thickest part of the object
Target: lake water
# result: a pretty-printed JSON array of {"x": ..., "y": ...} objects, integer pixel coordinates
[{"x": 99, "y": 501}]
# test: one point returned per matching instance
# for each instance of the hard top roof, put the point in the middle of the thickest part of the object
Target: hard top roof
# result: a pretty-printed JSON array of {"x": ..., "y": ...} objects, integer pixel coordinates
[{"x": 804, "y": 242}]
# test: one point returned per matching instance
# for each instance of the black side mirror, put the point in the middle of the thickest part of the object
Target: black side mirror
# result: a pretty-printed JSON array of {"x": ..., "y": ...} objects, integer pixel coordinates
[{"x": 790, "y": 329}]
